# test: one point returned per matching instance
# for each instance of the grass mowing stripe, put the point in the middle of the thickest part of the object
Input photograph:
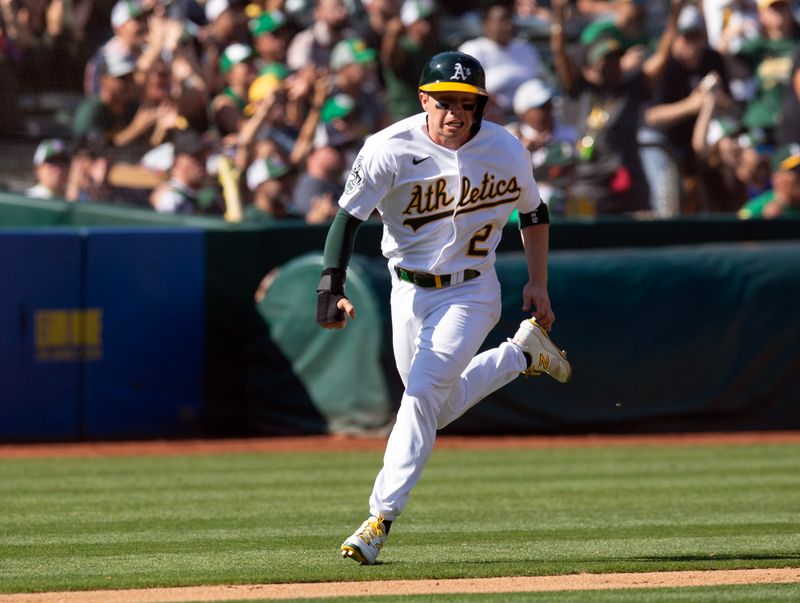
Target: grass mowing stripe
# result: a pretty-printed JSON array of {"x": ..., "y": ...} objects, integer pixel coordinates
[
  {"x": 128, "y": 522},
  {"x": 755, "y": 593}
]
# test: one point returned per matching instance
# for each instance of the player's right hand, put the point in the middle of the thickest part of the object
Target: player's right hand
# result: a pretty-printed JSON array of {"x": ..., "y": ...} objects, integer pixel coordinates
[{"x": 345, "y": 306}]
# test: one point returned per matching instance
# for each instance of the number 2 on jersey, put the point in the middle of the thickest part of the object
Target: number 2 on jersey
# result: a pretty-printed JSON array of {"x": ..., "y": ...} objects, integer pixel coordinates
[{"x": 479, "y": 237}]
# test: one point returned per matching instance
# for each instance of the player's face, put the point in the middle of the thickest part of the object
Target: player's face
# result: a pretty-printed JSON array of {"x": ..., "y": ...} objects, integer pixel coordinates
[{"x": 450, "y": 116}]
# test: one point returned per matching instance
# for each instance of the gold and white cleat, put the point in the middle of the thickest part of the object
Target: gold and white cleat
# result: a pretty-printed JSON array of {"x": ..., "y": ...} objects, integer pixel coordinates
[
  {"x": 366, "y": 542},
  {"x": 545, "y": 356}
]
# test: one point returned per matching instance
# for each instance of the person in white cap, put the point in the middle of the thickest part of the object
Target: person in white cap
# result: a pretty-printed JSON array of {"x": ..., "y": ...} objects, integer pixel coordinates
[
  {"x": 179, "y": 194},
  {"x": 269, "y": 179},
  {"x": 508, "y": 59},
  {"x": 110, "y": 113},
  {"x": 130, "y": 35},
  {"x": 51, "y": 165},
  {"x": 534, "y": 108},
  {"x": 540, "y": 131}
]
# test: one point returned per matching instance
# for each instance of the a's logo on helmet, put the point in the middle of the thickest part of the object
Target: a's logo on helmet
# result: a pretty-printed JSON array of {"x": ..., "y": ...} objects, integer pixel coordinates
[{"x": 461, "y": 73}]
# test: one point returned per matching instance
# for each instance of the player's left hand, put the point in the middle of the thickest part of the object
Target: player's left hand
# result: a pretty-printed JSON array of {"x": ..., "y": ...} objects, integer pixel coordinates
[{"x": 536, "y": 300}]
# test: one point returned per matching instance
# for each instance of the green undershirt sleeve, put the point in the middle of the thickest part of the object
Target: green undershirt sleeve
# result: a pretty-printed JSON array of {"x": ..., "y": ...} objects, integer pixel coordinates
[{"x": 340, "y": 240}]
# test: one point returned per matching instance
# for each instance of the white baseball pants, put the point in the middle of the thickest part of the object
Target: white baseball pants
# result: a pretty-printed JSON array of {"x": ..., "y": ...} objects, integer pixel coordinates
[{"x": 436, "y": 334}]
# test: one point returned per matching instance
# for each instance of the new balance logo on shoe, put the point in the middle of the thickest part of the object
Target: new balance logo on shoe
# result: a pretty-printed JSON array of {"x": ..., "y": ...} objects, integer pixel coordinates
[
  {"x": 544, "y": 362},
  {"x": 546, "y": 358}
]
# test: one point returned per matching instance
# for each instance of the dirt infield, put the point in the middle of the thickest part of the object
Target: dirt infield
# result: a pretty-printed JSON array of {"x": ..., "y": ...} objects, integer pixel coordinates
[
  {"x": 347, "y": 443},
  {"x": 418, "y": 587}
]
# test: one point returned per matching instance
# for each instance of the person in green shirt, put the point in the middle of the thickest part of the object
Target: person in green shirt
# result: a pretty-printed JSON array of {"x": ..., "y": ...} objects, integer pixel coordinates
[
  {"x": 111, "y": 113},
  {"x": 783, "y": 199},
  {"x": 769, "y": 57},
  {"x": 409, "y": 41},
  {"x": 237, "y": 67}
]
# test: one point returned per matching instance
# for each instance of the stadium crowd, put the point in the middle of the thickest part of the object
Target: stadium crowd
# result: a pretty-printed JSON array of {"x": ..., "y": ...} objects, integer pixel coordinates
[{"x": 255, "y": 110}]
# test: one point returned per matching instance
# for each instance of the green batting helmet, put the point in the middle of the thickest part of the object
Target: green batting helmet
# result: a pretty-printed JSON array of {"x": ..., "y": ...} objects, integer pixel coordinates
[{"x": 453, "y": 72}]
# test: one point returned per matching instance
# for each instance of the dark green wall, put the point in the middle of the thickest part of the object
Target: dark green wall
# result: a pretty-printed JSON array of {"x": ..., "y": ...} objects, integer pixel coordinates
[{"x": 678, "y": 324}]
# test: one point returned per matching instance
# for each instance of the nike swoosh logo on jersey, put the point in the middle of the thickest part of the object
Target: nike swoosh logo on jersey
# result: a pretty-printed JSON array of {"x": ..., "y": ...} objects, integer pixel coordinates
[{"x": 416, "y": 161}]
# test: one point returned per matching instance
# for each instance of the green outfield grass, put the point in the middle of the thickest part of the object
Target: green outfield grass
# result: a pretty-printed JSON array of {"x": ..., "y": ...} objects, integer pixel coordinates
[
  {"x": 258, "y": 518},
  {"x": 760, "y": 593}
]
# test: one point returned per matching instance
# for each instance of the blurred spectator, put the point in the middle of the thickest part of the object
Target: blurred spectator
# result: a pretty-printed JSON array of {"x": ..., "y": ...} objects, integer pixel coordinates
[
  {"x": 730, "y": 22},
  {"x": 592, "y": 9},
  {"x": 730, "y": 167},
  {"x": 236, "y": 66},
  {"x": 678, "y": 95},
  {"x": 179, "y": 195},
  {"x": 378, "y": 15},
  {"x": 319, "y": 186},
  {"x": 626, "y": 25},
  {"x": 227, "y": 24},
  {"x": 157, "y": 102},
  {"x": 270, "y": 181},
  {"x": 51, "y": 166},
  {"x": 769, "y": 58},
  {"x": 341, "y": 127},
  {"x": 692, "y": 70},
  {"x": 43, "y": 40},
  {"x": 537, "y": 9},
  {"x": 111, "y": 112},
  {"x": 551, "y": 142},
  {"x": 538, "y": 127},
  {"x": 553, "y": 172},
  {"x": 783, "y": 199},
  {"x": 89, "y": 171},
  {"x": 507, "y": 59},
  {"x": 174, "y": 96},
  {"x": 129, "y": 22},
  {"x": 353, "y": 69},
  {"x": 271, "y": 36},
  {"x": 788, "y": 129},
  {"x": 313, "y": 45},
  {"x": 609, "y": 175},
  {"x": 268, "y": 89},
  {"x": 410, "y": 41}
]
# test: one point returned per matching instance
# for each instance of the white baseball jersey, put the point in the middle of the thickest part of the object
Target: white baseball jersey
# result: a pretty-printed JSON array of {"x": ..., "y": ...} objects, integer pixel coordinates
[{"x": 443, "y": 210}]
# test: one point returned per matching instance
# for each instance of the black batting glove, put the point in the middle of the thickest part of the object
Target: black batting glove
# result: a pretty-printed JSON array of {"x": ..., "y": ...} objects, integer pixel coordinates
[{"x": 329, "y": 291}]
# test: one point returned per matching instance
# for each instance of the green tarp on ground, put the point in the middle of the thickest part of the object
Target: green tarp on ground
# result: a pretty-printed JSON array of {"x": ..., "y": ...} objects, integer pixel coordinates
[{"x": 340, "y": 370}]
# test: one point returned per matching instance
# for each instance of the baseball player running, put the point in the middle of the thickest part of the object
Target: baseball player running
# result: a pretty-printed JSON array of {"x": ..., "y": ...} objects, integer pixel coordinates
[{"x": 444, "y": 184}]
